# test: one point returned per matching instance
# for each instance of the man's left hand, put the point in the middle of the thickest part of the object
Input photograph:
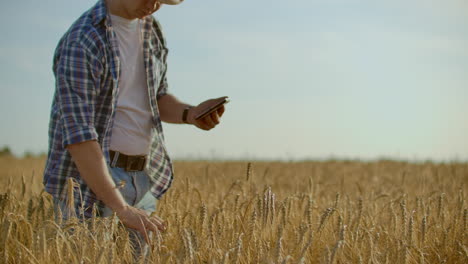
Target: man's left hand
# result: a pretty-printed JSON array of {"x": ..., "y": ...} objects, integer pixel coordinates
[{"x": 211, "y": 120}]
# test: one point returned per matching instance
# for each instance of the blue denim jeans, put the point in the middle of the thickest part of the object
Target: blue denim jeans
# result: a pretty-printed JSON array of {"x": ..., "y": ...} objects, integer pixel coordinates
[{"x": 136, "y": 193}]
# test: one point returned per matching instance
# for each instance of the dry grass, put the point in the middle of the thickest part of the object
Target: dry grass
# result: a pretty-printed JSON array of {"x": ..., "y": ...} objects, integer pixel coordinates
[{"x": 310, "y": 212}]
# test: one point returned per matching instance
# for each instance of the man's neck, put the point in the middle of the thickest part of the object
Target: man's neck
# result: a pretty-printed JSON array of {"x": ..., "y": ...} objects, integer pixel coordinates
[{"x": 115, "y": 7}]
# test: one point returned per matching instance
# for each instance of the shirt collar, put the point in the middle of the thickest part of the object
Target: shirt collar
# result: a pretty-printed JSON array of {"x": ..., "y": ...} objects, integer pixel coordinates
[{"x": 99, "y": 12}]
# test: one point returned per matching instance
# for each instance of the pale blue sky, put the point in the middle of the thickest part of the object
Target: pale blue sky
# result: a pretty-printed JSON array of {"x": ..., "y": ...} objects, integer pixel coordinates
[{"x": 307, "y": 79}]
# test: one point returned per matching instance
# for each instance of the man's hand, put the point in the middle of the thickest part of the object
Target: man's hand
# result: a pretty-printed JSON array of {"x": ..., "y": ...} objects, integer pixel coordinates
[
  {"x": 93, "y": 169},
  {"x": 138, "y": 219},
  {"x": 211, "y": 120}
]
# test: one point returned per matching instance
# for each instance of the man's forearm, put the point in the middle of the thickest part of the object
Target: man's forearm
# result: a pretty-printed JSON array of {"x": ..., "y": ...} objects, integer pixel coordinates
[
  {"x": 93, "y": 169},
  {"x": 171, "y": 109}
]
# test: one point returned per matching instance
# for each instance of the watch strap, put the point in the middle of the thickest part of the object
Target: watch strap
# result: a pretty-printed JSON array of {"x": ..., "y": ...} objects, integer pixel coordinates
[{"x": 185, "y": 114}]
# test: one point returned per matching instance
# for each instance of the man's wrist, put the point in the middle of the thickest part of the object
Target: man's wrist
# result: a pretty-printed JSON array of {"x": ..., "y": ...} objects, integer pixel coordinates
[
  {"x": 119, "y": 208},
  {"x": 117, "y": 203}
]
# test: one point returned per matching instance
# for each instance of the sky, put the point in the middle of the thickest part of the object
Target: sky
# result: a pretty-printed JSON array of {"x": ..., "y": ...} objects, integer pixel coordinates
[{"x": 307, "y": 79}]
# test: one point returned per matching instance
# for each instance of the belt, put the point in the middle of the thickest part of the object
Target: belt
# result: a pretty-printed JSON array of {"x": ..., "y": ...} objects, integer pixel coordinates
[{"x": 129, "y": 163}]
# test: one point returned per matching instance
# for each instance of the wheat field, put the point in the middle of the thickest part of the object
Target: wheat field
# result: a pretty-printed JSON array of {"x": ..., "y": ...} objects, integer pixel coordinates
[{"x": 259, "y": 212}]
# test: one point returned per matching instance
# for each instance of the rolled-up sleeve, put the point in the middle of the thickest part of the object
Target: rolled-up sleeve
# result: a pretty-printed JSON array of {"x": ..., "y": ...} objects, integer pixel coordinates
[
  {"x": 77, "y": 76},
  {"x": 163, "y": 87}
]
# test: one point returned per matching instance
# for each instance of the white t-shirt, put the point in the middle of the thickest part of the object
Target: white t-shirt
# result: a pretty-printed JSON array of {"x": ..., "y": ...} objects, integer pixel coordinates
[{"x": 132, "y": 129}]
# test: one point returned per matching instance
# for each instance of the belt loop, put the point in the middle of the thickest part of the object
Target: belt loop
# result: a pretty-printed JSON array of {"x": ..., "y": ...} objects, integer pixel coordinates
[{"x": 116, "y": 157}]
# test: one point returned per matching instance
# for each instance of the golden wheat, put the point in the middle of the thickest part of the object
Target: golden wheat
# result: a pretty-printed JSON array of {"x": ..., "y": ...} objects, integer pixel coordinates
[{"x": 261, "y": 212}]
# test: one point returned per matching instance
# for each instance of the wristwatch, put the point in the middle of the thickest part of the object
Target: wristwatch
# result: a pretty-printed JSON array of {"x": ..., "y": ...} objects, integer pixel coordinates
[{"x": 185, "y": 114}]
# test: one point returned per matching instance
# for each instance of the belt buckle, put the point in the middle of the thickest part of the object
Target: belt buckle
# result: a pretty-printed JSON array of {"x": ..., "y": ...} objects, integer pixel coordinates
[{"x": 139, "y": 161}]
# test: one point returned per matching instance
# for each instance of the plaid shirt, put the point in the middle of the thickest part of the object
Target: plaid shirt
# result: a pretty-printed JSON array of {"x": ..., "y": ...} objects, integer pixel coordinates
[{"x": 86, "y": 68}]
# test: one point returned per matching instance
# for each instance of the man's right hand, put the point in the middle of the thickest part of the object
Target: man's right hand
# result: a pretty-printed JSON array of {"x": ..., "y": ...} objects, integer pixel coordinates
[
  {"x": 137, "y": 219},
  {"x": 93, "y": 169}
]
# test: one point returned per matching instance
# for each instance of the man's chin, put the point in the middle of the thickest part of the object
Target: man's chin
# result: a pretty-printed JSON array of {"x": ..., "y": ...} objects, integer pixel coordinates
[{"x": 171, "y": 2}]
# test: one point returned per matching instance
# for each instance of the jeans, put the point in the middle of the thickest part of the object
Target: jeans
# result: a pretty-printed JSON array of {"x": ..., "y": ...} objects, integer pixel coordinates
[{"x": 136, "y": 193}]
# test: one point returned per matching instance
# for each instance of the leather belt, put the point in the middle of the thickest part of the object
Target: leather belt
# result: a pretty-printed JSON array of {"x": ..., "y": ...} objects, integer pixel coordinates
[{"x": 127, "y": 162}]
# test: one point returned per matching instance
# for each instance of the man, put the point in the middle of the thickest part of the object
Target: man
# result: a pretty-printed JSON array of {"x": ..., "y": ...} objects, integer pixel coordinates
[{"x": 105, "y": 129}]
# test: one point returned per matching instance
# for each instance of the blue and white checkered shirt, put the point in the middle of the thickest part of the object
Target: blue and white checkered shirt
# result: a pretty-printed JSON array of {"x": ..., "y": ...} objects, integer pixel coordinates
[{"x": 86, "y": 68}]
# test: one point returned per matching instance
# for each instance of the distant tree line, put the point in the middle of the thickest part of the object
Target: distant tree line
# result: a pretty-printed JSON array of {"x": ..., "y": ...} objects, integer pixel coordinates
[{"x": 6, "y": 151}]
